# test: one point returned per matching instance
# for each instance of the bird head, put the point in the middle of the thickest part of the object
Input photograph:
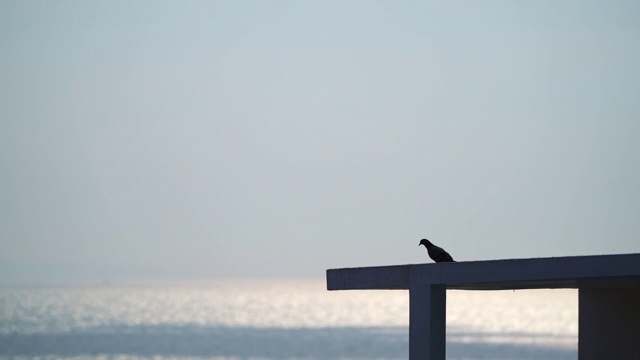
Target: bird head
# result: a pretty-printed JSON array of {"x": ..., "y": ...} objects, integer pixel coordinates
[{"x": 425, "y": 242}]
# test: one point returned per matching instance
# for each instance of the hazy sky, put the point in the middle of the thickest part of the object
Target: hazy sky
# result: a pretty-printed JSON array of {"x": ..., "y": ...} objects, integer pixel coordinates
[{"x": 281, "y": 138}]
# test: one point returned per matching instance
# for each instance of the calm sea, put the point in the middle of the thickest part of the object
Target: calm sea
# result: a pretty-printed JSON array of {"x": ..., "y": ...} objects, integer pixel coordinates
[{"x": 272, "y": 320}]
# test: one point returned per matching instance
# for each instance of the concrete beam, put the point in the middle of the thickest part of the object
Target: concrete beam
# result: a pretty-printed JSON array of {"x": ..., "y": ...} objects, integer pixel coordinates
[{"x": 537, "y": 273}]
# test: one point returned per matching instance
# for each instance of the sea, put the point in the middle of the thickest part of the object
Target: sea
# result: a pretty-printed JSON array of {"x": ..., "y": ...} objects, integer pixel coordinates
[{"x": 272, "y": 319}]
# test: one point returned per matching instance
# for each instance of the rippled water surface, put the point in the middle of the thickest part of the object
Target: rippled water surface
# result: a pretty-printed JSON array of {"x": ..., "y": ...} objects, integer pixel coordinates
[{"x": 273, "y": 320}]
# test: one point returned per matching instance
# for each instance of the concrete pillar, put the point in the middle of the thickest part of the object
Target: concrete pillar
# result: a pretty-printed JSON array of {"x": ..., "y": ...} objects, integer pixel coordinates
[
  {"x": 427, "y": 322},
  {"x": 609, "y": 324}
]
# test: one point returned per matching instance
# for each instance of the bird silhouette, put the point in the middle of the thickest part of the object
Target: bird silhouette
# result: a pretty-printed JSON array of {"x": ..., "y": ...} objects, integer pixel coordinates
[{"x": 436, "y": 253}]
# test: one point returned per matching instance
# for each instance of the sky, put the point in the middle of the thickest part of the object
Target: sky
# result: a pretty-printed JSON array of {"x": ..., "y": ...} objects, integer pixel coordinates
[{"x": 278, "y": 139}]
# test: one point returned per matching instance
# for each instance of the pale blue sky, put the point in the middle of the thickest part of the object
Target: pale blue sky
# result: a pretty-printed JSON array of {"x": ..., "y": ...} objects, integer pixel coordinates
[{"x": 281, "y": 138}]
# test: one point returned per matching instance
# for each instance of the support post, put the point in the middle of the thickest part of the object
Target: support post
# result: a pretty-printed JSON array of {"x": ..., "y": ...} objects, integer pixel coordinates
[
  {"x": 427, "y": 322},
  {"x": 609, "y": 323}
]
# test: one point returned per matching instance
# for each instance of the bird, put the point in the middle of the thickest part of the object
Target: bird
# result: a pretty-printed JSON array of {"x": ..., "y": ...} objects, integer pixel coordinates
[{"x": 436, "y": 253}]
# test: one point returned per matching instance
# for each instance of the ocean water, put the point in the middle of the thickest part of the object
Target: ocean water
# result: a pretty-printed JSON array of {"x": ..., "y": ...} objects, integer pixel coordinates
[{"x": 285, "y": 319}]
